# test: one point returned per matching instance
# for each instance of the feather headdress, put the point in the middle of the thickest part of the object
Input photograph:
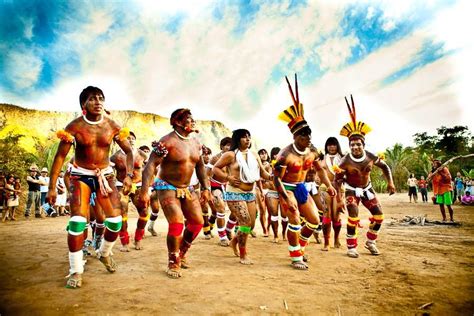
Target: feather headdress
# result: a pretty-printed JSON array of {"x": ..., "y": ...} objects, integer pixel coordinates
[
  {"x": 354, "y": 127},
  {"x": 294, "y": 115}
]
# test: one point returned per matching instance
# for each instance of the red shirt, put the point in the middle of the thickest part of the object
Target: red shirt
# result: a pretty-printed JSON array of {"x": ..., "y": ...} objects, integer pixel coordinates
[
  {"x": 442, "y": 182},
  {"x": 422, "y": 184}
]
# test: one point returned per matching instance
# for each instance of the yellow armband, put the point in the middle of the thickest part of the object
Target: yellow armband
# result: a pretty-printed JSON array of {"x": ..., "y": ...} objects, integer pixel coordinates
[
  {"x": 65, "y": 136},
  {"x": 123, "y": 134},
  {"x": 381, "y": 156},
  {"x": 336, "y": 169}
]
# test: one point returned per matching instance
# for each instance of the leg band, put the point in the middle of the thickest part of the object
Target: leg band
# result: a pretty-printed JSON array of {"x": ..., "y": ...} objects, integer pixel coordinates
[
  {"x": 175, "y": 229},
  {"x": 311, "y": 226},
  {"x": 194, "y": 228},
  {"x": 77, "y": 225},
  {"x": 76, "y": 264},
  {"x": 284, "y": 219},
  {"x": 295, "y": 253},
  {"x": 274, "y": 218},
  {"x": 326, "y": 220},
  {"x": 353, "y": 221},
  {"x": 220, "y": 215},
  {"x": 245, "y": 229},
  {"x": 294, "y": 228},
  {"x": 114, "y": 224}
]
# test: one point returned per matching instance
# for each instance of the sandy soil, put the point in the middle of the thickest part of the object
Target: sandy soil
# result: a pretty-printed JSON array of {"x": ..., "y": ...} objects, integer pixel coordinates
[{"x": 418, "y": 265}]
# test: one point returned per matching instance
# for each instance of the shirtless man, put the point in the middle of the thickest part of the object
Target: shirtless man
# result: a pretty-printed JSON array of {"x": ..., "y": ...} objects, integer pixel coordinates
[
  {"x": 312, "y": 186},
  {"x": 217, "y": 203},
  {"x": 241, "y": 168},
  {"x": 178, "y": 156},
  {"x": 332, "y": 157},
  {"x": 119, "y": 159},
  {"x": 91, "y": 180},
  {"x": 354, "y": 170},
  {"x": 206, "y": 157},
  {"x": 293, "y": 163}
]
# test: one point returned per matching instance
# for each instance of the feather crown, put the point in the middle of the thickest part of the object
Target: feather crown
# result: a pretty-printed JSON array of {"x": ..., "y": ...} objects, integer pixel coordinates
[
  {"x": 354, "y": 127},
  {"x": 294, "y": 115}
]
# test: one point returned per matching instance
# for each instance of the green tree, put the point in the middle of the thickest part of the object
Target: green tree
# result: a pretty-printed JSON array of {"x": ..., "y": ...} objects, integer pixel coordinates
[
  {"x": 397, "y": 158},
  {"x": 13, "y": 158}
]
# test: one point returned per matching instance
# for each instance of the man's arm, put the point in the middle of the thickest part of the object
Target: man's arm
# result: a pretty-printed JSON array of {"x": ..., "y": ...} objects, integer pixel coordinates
[
  {"x": 124, "y": 144},
  {"x": 388, "y": 175},
  {"x": 63, "y": 150},
  {"x": 324, "y": 177}
]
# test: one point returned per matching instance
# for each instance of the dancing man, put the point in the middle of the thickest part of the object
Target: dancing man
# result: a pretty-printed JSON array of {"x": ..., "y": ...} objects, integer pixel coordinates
[
  {"x": 178, "y": 156},
  {"x": 354, "y": 170},
  {"x": 119, "y": 160},
  {"x": 92, "y": 180},
  {"x": 293, "y": 163}
]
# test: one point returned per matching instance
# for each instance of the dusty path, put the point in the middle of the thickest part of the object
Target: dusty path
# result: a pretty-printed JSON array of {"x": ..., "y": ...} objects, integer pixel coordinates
[{"x": 418, "y": 265}]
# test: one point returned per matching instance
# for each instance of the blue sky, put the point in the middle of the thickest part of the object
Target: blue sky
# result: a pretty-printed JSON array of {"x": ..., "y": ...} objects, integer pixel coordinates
[{"x": 226, "y": 60}]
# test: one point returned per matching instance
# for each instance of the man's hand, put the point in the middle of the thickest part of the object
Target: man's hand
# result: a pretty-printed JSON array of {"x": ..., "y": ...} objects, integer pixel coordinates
[
  {"x": 143, "y": 198},
  {"x": 332, "y": 191},
  {"x": 205, "y": 196},
  {"x": 127, "y": 185},
  {"x": 51, "y": 196},
  {"x": 391, "y": 188},
  {"x": 289, "y": 204}
]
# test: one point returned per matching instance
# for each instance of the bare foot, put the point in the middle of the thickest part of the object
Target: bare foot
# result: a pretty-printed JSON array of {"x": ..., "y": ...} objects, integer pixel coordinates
[
  {"x": 74, "y": 281},
  {"x": 337, "y": 243},
  {"x": 207, "y": 236},
  {"x": 275, "y": 241},
  {"x": 253, "y": 234},
  {"x": 138, "y": 245},
  {"x": 184, "y": 263},
  {"x": 325, "y": 248},
  {"x": 233, "y": 244},
  {"x": 174, "y": 273},
  {"x": 152, "y": 231},
  {"x": 224, "y": 242},
  {"x": 109, "y": 263},
  {"x": 124, "y": 248},
  {"x": 316, "y": 236},
  {"x": 246, "y": 261},
  {"x": 299, "y": 265},
  {"x": 284, "y": 238}
]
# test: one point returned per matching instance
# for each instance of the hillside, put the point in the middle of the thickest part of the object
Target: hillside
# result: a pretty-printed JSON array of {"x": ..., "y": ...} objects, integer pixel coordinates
[{"x": 40, "y": 126}]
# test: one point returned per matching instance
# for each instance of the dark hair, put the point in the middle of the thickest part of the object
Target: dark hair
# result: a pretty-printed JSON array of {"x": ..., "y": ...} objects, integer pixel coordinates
[
  {"x": 144, "y": 147},
  {"x": 225, "y": 141},
  {"x": 305, "y": 130},
  {"x": 357, "y": 136},
  {"x": 206, "y": 150},
  {"x": 412, "y": 175},
  {"x": 133, "y": 134},
  {"x": 274, "y": 152},
  {"x": 87, "y": 92},
  {"x": 332, "y": 141},
  {"x": 237, "y": 135},
  {"x": 178, "y": 115},
  {"x": 263, "y": 151}
]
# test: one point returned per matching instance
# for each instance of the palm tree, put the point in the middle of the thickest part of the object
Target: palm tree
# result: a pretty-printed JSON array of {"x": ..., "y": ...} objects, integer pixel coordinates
[{"x": 397, "y": 158}]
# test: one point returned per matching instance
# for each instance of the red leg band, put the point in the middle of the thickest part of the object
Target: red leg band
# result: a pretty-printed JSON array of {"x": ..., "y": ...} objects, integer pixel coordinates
[
  {"x": 175, "y": 229},
  {"x": 124, "y": 238},
  {"x": 194, "y": 228},
  {"x": 371, "y": 236},
  {"x": 336, "y": 224},
  {"x": 139, "y": 233},
  {"x": 326, "y": 220}
]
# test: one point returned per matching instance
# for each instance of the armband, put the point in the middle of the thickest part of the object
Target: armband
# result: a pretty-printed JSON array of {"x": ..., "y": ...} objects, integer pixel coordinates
[
  {"x": 381, "y": 156},
  {"x": 123, "y": 134},
  {"x": 65, "y": 136},
  {"x": 337, "y": 169},
  {"x": 159, "y": 149}
]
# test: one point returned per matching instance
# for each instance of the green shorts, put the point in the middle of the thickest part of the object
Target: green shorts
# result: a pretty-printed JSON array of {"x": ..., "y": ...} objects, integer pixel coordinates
[{"x": 445, "y": 198}]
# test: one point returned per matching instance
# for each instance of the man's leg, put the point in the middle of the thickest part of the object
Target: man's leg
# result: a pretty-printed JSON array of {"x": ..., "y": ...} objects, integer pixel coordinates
[
  {"x": 272, "y": 204},
  {"x": 37, "y": 200},
  {"x": 28, "y": 203},
  {"x": 155, "y": 210},
  {"x": 229, "y": 227},
  {"x": 352, "y": 225},
  {"x": 194, "y": 222},
  {"x": 218, "y": 207},
  {"x": 141, "y": 223},
  {"x": 375, "y": 224},
  {"x": 172, "y": 210},
  {"x": 309, "y": 212},
  {"x": 123, "y": 235}
]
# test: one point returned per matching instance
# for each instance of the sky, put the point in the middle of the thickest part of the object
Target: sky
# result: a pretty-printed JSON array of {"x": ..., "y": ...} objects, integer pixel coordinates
[{"x": 408, "y": 64}]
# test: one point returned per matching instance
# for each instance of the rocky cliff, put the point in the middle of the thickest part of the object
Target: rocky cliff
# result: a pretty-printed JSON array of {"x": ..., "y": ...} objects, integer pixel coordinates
[{"x": 39, "y": 127}]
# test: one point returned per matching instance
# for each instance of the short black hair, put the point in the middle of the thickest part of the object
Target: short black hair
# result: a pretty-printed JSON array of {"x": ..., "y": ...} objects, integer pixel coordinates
[
  {"x": 178, "y": 115},
  {"x": 357, "y": 136},
  {"x": 274, "y": 152},
  {"x": 304, "y": 131},
  {"x": 144, "y": 147},
  {"x": 225, "y": 141},
  {"x": 264, "y": 151},
  {"x": 87, "y": 92},
  {"x": 236, "y": 136}
]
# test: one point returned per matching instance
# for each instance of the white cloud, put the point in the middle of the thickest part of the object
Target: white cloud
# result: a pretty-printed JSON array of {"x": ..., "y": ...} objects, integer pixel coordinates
[{"x": 23, "y": 68}]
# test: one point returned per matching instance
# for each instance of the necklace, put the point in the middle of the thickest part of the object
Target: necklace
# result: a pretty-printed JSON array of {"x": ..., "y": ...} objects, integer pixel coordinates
[
  {"x": 358, "y": 159},
  {"x": 93, "y": 122},
  {"x": 302, "y": 153},
  {"x": 181, "y": 136}
]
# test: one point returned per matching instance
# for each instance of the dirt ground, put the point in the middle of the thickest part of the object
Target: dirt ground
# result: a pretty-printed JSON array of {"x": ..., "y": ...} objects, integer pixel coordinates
[{"x": 418, "y": 265}]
